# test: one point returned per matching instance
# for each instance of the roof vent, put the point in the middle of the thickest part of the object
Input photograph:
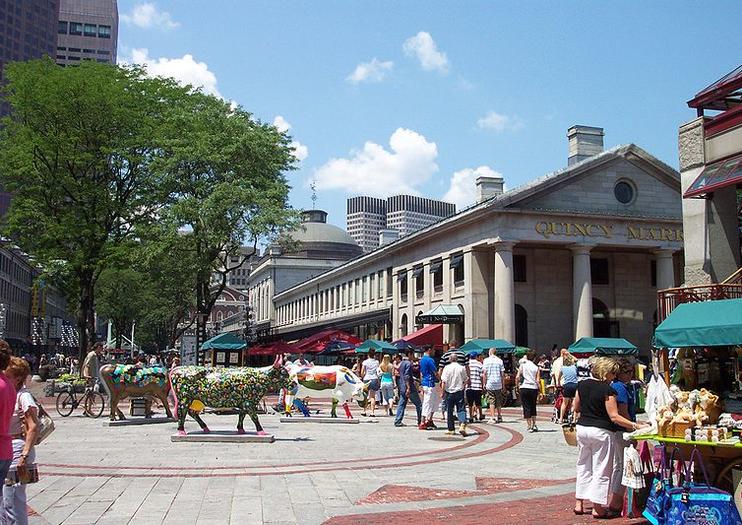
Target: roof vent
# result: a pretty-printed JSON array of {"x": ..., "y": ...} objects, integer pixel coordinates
[
  {"x": 584, "y": 142},
  {"x": 488, "y": 187}
]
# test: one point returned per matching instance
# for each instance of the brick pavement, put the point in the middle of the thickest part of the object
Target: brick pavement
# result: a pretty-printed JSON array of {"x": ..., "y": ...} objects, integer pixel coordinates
[{"x": 312, "y": 474}]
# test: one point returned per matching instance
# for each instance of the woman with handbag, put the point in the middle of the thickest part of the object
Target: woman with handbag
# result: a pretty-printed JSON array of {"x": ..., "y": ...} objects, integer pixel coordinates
[
  {"x": 24, "y": 428},
  {"x": 597, "y": 418}
]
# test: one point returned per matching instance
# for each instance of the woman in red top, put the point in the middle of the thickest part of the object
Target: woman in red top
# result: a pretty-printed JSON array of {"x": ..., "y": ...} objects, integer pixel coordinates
[{"x": 7, "y": 406}]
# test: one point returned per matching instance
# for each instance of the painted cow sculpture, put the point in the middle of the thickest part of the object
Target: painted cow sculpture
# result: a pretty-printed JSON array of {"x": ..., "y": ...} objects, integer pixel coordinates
[
  {"x": 237, "y": 388},
  {"x": 124, "y": 381},
  {"x": 336, "y": 382}
]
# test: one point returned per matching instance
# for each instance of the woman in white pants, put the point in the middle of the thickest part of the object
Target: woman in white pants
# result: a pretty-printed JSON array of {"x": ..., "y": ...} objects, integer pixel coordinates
[
  {"x": 24, "y": 431},
  {"x": 597, "y": 418}
]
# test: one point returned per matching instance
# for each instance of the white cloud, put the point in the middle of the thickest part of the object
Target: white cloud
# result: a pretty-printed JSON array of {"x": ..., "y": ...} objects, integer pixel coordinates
[
  {"x": 462, "y": 190},
  {"x": 374, "y": 71},
  {"x": 147, "y": 15},
  {"x": 498, "y": 122},
  {"x": 186, "y": 70},
  {"x": 408, "y": 164},
  {"x": 423, "y": 47},
  {"x": 301, "y": 152}
]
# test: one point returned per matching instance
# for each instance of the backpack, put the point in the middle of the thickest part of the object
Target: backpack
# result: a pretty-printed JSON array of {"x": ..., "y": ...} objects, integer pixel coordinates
[{"x": 46, "y": 423}]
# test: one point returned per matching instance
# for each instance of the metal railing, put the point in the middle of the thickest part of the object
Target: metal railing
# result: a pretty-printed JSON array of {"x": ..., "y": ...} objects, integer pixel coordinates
[{"x": 669, "y": 298}]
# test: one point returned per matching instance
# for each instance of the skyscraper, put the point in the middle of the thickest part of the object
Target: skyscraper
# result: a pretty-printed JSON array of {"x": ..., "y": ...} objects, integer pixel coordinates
[
  {"x": 367, "y": 216},
  {"x": 88, "y": 30},
  {"x": 28, "y": 29}
]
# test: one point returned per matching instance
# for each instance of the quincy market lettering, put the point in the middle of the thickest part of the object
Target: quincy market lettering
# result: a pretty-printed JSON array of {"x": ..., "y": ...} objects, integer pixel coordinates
[{"x": 607, "y": 231}]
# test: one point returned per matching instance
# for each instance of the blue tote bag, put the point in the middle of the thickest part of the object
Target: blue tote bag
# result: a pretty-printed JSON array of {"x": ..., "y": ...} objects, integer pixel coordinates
[
  {"x": 699, "y": 502},
  {"x": 657, "y": 502}
]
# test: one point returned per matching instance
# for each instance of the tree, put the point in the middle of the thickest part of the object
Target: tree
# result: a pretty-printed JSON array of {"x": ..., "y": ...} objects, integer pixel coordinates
[
  {"x": 225, "y": 171},
  {"x": 77, "y": 152}
]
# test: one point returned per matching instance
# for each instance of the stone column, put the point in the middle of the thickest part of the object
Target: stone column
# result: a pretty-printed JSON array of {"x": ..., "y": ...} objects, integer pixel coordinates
[
  {"x": 504, "y": 292},
  {"x": 665, "y": 269},
  {"x": 428, "y": 293},
  {"x": 396, "y": 311},
  {"x": 448, "y": 329},
  {"x": 582, "y": 291}
]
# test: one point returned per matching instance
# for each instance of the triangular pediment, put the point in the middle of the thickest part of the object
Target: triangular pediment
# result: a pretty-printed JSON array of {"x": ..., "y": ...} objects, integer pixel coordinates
[{"x": 647, "y": 187}]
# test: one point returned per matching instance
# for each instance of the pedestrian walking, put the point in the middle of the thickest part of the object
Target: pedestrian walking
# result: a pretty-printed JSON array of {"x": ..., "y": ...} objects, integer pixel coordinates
[
  {"x": 91, "y": 366},
  {"x": 370, "y": 373},
  {"x": 493, "y": 378},
  {"x": 407, "y": 391},
  {"x": 567, "y": 380},
  {"x": 453, "y": 381},
  {"x": 23, "y": 429},
  {"x": 387, "y": 383},
  {"x": 528, "y": 378},
  {"x": 429, "y": 380},
  {"x": 597, "y": 417},
  {"x": 474, "y": 387}
]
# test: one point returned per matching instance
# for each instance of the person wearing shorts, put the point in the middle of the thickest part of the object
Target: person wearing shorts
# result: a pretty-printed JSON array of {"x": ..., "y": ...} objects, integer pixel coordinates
[
  {"x": 474, "y": 388},
  {"x": 370, "y": 373},
  {"x": 568, "y": 379},
  {"x": 493, "y": 380}
]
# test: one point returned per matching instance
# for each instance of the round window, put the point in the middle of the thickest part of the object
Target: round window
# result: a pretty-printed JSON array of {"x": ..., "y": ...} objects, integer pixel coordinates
[{"x": 624, "y": 192}]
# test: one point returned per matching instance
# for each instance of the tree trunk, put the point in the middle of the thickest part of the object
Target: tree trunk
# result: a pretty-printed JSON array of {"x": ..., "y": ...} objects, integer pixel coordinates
[{"x": 86, "y": 314}]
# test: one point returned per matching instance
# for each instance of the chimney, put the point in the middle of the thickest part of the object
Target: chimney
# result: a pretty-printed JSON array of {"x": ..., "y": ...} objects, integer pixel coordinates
[
  {"x": 387, "y": 236},
  {"x": 488, "y": 187},
  {"x": 584, "y": 142}
]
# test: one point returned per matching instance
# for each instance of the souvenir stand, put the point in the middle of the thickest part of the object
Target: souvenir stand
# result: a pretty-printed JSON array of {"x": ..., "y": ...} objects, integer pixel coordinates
[
  {"x": 224, "y": 350},
  {"x": 703, "y": 341},
  {"x": 505, "y": 351}
]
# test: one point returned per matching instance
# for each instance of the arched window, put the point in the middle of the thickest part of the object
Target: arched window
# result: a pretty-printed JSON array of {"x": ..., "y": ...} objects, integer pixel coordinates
[
  {"x": 603, "y": 325},
  {"x": 219, "y": 315},
  {"x": 403, "y": 325},
  {"x": 521, "y": 326},
  {"x": 418, "y": 326}
]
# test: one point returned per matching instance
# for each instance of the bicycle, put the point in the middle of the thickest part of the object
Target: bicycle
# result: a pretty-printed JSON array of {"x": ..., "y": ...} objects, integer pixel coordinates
[{"x": 93, "y": 402}]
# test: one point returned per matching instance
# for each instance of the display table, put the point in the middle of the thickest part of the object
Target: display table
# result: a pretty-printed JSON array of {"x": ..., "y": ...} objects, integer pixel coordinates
[{"x": 719, "y": 458}]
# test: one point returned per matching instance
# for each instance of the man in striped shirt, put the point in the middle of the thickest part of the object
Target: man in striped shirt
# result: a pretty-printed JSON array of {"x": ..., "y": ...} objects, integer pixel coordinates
[{"x": 474, "y": 387}]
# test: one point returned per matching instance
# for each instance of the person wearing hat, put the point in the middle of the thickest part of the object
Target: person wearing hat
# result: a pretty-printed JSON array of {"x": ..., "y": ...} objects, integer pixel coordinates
[{"x": 474, "y": 386}]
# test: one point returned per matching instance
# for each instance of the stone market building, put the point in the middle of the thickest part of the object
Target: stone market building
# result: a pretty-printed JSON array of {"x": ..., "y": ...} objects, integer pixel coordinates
[{"x": 579, "y": 252}]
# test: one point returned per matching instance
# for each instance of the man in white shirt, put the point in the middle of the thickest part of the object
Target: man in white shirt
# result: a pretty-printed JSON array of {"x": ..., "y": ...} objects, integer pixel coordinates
[
  {"x": 370, "y": 374},
  {"x": 493, "y": 378},
  {"x": 453, "y": 381}
]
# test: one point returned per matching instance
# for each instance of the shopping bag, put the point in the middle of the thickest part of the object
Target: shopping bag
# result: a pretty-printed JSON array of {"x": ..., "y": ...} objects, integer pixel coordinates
[
  {"x": 662, "y": 483},
  {"x": 637, "y": 491},
  {"x": 699, "y": 502}
]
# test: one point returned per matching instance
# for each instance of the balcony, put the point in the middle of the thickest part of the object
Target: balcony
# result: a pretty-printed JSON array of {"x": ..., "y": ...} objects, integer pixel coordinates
[{"x": 668, "y": 299}]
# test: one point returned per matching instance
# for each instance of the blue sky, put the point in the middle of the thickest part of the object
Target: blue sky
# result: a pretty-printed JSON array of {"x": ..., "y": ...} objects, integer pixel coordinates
[{"x": 389, "y": 97}]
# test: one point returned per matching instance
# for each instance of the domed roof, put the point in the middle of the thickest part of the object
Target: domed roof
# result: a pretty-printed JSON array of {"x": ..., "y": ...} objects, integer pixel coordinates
[{"x": 318, "y": 239}]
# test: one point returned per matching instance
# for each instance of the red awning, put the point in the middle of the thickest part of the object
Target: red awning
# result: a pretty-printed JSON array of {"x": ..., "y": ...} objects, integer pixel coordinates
[
  {"x": 717, "y": 175},
  {"x": 316, "y": 343},
  {"x": 429, "y": 335},
  {"x": 275, "y": 348}
]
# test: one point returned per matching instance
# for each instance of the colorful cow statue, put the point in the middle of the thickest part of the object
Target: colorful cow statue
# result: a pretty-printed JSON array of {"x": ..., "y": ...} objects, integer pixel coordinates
[
  {"x": 238, "y": 388},
  {"x": 124, "y": 381},
  {"x": 336, "y": 382}
]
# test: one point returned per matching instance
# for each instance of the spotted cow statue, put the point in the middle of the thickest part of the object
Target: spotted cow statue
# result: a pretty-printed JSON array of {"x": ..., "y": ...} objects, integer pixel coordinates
[
  {"x": 242, "y": 389},
  {"x": 336, "y": 382},
  {"x": 122, "y": 381}
]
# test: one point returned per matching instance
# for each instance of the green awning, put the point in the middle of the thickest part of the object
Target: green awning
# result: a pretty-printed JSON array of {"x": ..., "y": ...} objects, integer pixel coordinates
[
  {"x": 603, "y": 346},
  {"x": 708, "y": 323},
  {"x": 441, "y": 314},
  {"x": 225, "y": 341},
  {"x": 379, "y": 346},
  {"x": 482, "y": 345}
]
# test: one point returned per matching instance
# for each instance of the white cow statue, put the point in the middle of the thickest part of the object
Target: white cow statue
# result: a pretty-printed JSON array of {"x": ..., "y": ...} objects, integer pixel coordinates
[{"x": 336, "y": 382}]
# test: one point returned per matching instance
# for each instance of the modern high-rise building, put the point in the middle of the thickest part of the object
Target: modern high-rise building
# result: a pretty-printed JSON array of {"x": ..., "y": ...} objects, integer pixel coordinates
[
  {"x": 407, "y": 213},
  {"x": 367, "y": 216},
  {"x": 88, "y": 30},
  {"x": 28, "y": 29}
]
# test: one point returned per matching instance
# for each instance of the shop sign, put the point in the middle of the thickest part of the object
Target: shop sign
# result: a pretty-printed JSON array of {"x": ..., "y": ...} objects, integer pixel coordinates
[{"x": 629, "y": 232}]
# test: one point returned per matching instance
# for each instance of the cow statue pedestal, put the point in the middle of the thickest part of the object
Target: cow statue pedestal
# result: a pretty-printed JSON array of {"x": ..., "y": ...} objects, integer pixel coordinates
[
  {"x": 222, "y": 436},
  {"x": 316, "y": 419},
  {"x": 138, "y": 421}
]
